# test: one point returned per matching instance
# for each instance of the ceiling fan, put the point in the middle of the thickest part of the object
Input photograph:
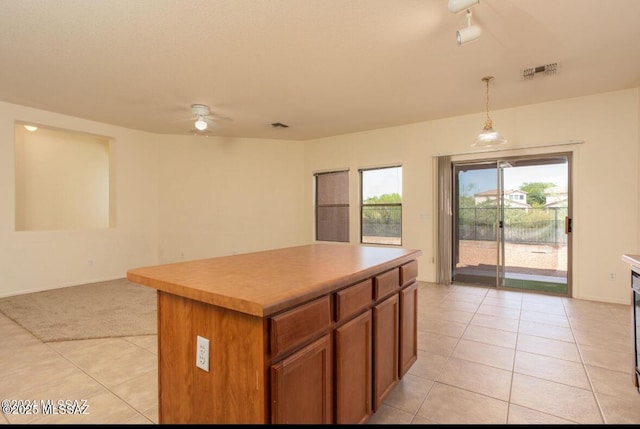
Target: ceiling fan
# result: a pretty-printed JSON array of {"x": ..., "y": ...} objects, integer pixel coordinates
[{"x": 204, "y": 120}]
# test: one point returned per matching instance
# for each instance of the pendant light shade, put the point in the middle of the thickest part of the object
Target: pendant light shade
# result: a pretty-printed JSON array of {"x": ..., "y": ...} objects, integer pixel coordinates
[{"x": 488, "y": 137}]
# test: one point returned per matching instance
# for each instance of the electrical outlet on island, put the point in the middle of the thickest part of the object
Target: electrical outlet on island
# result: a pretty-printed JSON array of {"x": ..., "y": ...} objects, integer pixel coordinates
[{"x": 202, "y": 353}]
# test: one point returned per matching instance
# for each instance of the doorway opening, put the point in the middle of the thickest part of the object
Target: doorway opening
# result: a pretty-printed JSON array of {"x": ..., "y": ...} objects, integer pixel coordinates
[{"x": 511, "y": 223}]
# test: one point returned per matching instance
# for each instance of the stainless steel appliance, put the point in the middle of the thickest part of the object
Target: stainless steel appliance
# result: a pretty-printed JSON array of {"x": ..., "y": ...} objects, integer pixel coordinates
[{"x": 635, "y": 285}]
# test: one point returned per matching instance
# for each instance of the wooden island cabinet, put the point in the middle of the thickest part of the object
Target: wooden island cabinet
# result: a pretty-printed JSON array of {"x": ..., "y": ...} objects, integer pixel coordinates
[{"x": 320, "y": 333}]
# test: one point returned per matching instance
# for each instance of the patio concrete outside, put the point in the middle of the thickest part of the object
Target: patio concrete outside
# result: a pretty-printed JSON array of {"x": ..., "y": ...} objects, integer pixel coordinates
[
  {"x": 535, "y": 259},
  {"x": 547, "y": 262}
]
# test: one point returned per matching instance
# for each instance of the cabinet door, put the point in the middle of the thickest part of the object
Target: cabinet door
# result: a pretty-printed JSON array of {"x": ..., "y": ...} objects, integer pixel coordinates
[
  {"x": 385, "y": 348},
  {"x": 301, "y": 386},
  {"x": 408, "y": 328},
  {"x": 353, "y": 370}
]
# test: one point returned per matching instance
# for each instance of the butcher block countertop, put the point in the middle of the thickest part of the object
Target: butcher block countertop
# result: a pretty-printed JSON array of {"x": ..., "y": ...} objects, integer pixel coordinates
[{"x": 263, "y": 283}]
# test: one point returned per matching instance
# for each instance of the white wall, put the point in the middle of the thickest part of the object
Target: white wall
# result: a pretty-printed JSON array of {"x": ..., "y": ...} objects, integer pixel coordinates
[
  {"x": 221, "y": 196},
  {"x": 38, "y": 260},
  {"x": 175, "y": 197},
  {"x": 62, "y": 180},
  {"x": 606, "y": 218}
]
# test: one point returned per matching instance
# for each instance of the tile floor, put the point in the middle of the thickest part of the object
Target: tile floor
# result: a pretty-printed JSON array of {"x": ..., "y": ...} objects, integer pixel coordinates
[{"x": 485, "y": 357}]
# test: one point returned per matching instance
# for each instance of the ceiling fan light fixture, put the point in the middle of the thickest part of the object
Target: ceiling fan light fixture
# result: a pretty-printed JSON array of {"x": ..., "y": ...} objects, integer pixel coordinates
[
  {"x": 488, "y": 137},
  {"x": 200, "y": 111},
  {"x": 201, "y": 124}
]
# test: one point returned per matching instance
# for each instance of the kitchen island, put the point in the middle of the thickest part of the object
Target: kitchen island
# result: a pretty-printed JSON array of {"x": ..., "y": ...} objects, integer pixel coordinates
[{"x": 319, "y": 333}]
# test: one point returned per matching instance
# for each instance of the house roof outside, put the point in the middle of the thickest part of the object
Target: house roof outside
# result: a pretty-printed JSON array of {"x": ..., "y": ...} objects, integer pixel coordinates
[
  {"x": 492, "y": 195},
  {"x": 494, "y": 192},
  {"x": 560, "y": 190}
]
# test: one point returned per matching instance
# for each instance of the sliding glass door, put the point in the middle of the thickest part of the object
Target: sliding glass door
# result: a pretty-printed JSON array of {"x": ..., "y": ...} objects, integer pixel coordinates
[
  {"x": 511, "y": 223},
  {"x": 475, "y": 223}
]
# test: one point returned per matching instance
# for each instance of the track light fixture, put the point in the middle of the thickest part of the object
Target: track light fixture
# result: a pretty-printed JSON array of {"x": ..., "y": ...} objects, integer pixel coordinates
[
  {"x": 456, "y": 6},
  {"x": 469, "y": 33}
]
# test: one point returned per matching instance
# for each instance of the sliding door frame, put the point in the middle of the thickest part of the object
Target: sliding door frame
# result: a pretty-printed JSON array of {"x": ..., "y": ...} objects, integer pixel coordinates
[{"x": 495, "y": 159}]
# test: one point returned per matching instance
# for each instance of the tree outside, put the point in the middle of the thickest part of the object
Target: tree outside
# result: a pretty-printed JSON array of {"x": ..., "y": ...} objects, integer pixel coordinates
[{"x": 382, "y": 215}]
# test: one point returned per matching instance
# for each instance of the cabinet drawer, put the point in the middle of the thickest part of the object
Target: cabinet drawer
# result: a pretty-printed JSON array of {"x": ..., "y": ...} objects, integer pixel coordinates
[
  {"x": 352, "y": 299},
  {"x": 386, "y": 283},
  {"x": 408, "y": 273},
  {"x": 294, "y": 327}
]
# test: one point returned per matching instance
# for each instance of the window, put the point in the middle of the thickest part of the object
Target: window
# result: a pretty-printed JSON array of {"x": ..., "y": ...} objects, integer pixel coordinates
[
  {"x": 381, "y": 206},
  {"x": 332, "y": 206},
  {"x": 62, "y": 179}
]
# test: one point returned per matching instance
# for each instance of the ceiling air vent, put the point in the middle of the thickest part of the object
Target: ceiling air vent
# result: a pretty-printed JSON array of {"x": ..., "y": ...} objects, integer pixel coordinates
[{"x": 547, "y": 69}]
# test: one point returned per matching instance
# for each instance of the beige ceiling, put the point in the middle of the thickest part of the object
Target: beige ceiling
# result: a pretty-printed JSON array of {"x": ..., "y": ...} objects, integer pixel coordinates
[{"x": 323, "y": 67}]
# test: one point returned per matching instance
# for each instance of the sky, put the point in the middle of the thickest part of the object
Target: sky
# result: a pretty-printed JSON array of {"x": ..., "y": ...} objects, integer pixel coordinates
[
  {"x": 514, "y": 177},
  {"x": 389, "y": 180},
  {"x": 381, "y": 181}
]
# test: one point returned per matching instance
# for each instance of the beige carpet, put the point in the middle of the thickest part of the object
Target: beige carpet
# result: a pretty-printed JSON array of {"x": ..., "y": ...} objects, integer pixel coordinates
[{"x": 116, "y": 308}]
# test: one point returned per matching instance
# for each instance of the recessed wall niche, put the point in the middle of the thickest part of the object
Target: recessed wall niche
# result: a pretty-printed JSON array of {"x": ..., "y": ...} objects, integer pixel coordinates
[{"x": 62, "y": 179}]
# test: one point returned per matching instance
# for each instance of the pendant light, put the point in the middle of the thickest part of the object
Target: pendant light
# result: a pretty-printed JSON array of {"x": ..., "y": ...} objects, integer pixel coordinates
[{"x": 488, "y": 137}]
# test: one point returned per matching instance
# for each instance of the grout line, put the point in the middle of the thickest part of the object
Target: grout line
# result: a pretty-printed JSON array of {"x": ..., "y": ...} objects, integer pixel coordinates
[
  {"x": 455, "y": 346},
  {"x": 513, "y": 367},
  {"x": 584, "y": 366},
  {"x": 509, "y": 402},
  {"x": 447, "y": 357},
  {"x": 430, "y": 389},
  {"x": 96, "y": 380}
]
